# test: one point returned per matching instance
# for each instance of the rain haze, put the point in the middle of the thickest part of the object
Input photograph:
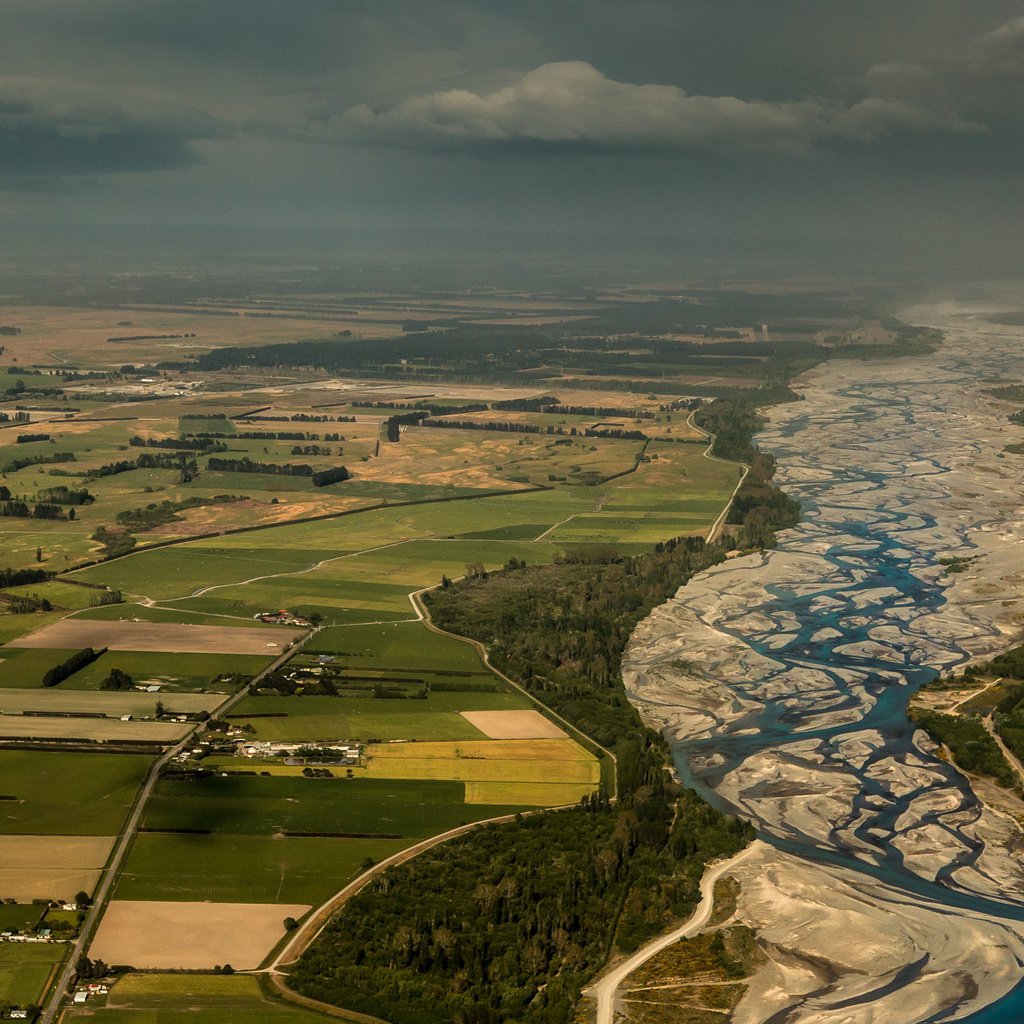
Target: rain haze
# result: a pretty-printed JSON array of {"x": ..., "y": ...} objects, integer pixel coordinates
[{"x": 797, "y": 133}]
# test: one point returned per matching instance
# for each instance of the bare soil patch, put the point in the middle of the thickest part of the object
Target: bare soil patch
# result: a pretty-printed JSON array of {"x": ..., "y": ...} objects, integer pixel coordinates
[
  {"x": 51, "y": 867},
  {"x": 190, "y": 936},
  {"x": 159, "y": 636},
  {"x": 43, "y": 727},
  {"x": 513, "y": 725}
]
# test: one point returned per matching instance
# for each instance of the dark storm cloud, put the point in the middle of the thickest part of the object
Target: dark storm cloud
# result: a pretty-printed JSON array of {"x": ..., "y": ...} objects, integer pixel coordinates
[
  {"x": 649, "y": 118},
  {"x": 54, "y": 128}
]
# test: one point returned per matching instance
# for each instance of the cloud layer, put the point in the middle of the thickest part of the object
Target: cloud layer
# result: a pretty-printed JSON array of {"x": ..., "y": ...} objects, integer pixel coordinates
[
  {"x": 572, "y": 104},
  {"x": 52, "y": 127}
]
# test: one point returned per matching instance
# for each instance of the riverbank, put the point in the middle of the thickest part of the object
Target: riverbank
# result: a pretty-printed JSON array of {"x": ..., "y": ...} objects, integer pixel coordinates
[{"x": 782, "y": 680}]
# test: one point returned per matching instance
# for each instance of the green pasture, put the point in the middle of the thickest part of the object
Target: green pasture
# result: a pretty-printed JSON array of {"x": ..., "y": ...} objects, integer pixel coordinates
[
  {"x": 25, "y": 666},
  {"x": 171, "y": 613},
  {"x": 61, "y": 595},
  {"x": 198, "y": 998},
  {"x": 19, "y": 916},
  {"x": 23, "y": 983},
  {"x": 366, "y": 586},
  {"x": 364, "y": 718},
  {"x": 245, "y": 805},
  {"x": 67, "y": 793},
  {"x": 14, "y": 626},
  {"x": 195, "y": 424},
  {"x": 407, "y": 645},
  {"x": 236, "y": 868},
  {"x": 182, "y": 672}
]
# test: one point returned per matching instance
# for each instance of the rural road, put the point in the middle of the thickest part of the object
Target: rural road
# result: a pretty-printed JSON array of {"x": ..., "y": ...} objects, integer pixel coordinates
[
  {"x": 124, "y": 842},
  {"x": 605, "y": 988},
  {"x": 744, "y": 470}
]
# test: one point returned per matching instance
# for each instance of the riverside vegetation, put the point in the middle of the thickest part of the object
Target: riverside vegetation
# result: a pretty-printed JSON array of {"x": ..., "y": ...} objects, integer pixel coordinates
[{"x": 510, "y": 921}]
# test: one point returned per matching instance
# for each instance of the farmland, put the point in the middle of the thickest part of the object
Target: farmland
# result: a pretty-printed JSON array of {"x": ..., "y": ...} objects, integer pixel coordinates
[
  {"x": 25, "y": 971},
  {"x": 65, "y": 793},
  {"x": 154, "y": 515},
  {"x": 212, "y": 999}
]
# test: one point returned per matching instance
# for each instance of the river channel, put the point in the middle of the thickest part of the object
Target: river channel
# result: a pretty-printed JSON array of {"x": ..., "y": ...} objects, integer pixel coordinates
[{"x": 886, "y": 890}]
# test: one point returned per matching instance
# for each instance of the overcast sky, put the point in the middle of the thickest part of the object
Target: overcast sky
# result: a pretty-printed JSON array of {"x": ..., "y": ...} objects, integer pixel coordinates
[{"x": 888, "y": 124}]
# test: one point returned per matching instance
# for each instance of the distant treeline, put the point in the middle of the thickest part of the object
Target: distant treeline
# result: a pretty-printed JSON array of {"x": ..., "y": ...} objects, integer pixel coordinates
[
  {"x": 301, "y": 417},
  {"x": 42, "y": 510},
  {"x": 19, "y": 577},
  {"x": 191, "y": 443},
  {"x": 148, "y": 337},
  {"x": 144, "y": 461},
  {"x": 37, "y": 460},
  {"x": 247, "y": 465}
]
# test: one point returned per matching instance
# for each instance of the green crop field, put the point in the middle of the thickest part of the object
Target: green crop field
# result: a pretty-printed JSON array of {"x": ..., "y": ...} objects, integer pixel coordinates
[
  {"x": 67, "y": 793},
  {"x": 181, "y": 672},
  {"x": 246, "y": 868},
  {"x": 19, "y": 916},
  {"x": 210, "y": 999},
  {"x": 243, "y": 805},
  {"x": 366, "y": 719},
  {"x": 399, "y": 645},
  {"x": 26, "y": 666},
  {"x": 26, "y": 970}
]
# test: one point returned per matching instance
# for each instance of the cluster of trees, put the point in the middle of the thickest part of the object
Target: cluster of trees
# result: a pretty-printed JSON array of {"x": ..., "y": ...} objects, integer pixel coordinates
[
  {"x": 276, "y": 435},
  {"x": 29, "y": 438},
  {"x": 326, "y": 477},
  {"x": 973, "y": 748},
  {"x": 66, "y": 496},
  {"x": 506, "y": 426},
  {"x": 311, "y": 449},
  {"x": 117, "y": 680},
  {"x": 154, "y": 515},
  {"x": 246, "y": 465},
  {"x": 393, "y": 424},
  {"x": 618, "y": 433},
  {"x": 599, "y": 410},
  {"x": 37, "y": 460},
  {"x": 19, "y": 577},
  {"x": 41, "y": 510},
  {"x": 19, "y": 417},
  {"x": 145, "y": 461},
  {"x": 191, "y": 443},
  {"x": 22, "y": 604},
  {"x": 760, "y": 508},
  {"x": 299, "y": 417},
  {"x": 511, "y": 921},
  {"x": 114, "y": 542},
  {"x": 322, "y": 686},
  {"x": 68, "y": 667},
  {"x": 733, "y": 421}
]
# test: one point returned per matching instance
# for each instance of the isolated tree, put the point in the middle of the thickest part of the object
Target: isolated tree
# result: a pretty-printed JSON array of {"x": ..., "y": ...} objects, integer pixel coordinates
[{"x": 39, "y": 554}]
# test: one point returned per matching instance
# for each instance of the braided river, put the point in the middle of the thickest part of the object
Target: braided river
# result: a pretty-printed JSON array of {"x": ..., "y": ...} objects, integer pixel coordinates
[{"x": 883, "y": 888}]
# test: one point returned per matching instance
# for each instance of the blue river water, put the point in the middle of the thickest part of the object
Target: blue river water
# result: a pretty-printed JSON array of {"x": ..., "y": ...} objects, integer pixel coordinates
[{"x": 869, "y": 542}]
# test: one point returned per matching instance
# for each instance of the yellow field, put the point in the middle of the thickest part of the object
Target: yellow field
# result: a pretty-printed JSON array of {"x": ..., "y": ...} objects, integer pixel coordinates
[
  {"x": 510, "y": 762},
  {"x": 49, "y": 867},
  {"x": 532, "y": 794}
]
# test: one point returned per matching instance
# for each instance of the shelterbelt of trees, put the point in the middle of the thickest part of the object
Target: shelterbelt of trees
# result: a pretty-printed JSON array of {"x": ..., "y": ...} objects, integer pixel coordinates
[{"x": 509, "y": 922}]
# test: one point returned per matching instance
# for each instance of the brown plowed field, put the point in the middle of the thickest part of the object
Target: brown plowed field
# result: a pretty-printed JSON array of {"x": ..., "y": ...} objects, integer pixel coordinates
[{"x": 159, "y": 636}]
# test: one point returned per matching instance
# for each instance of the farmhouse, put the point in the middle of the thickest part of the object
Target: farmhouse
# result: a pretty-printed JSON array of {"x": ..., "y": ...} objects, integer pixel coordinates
[
  {"x": 326, "y": 751},
  {"x": 282, "y": 617}
]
